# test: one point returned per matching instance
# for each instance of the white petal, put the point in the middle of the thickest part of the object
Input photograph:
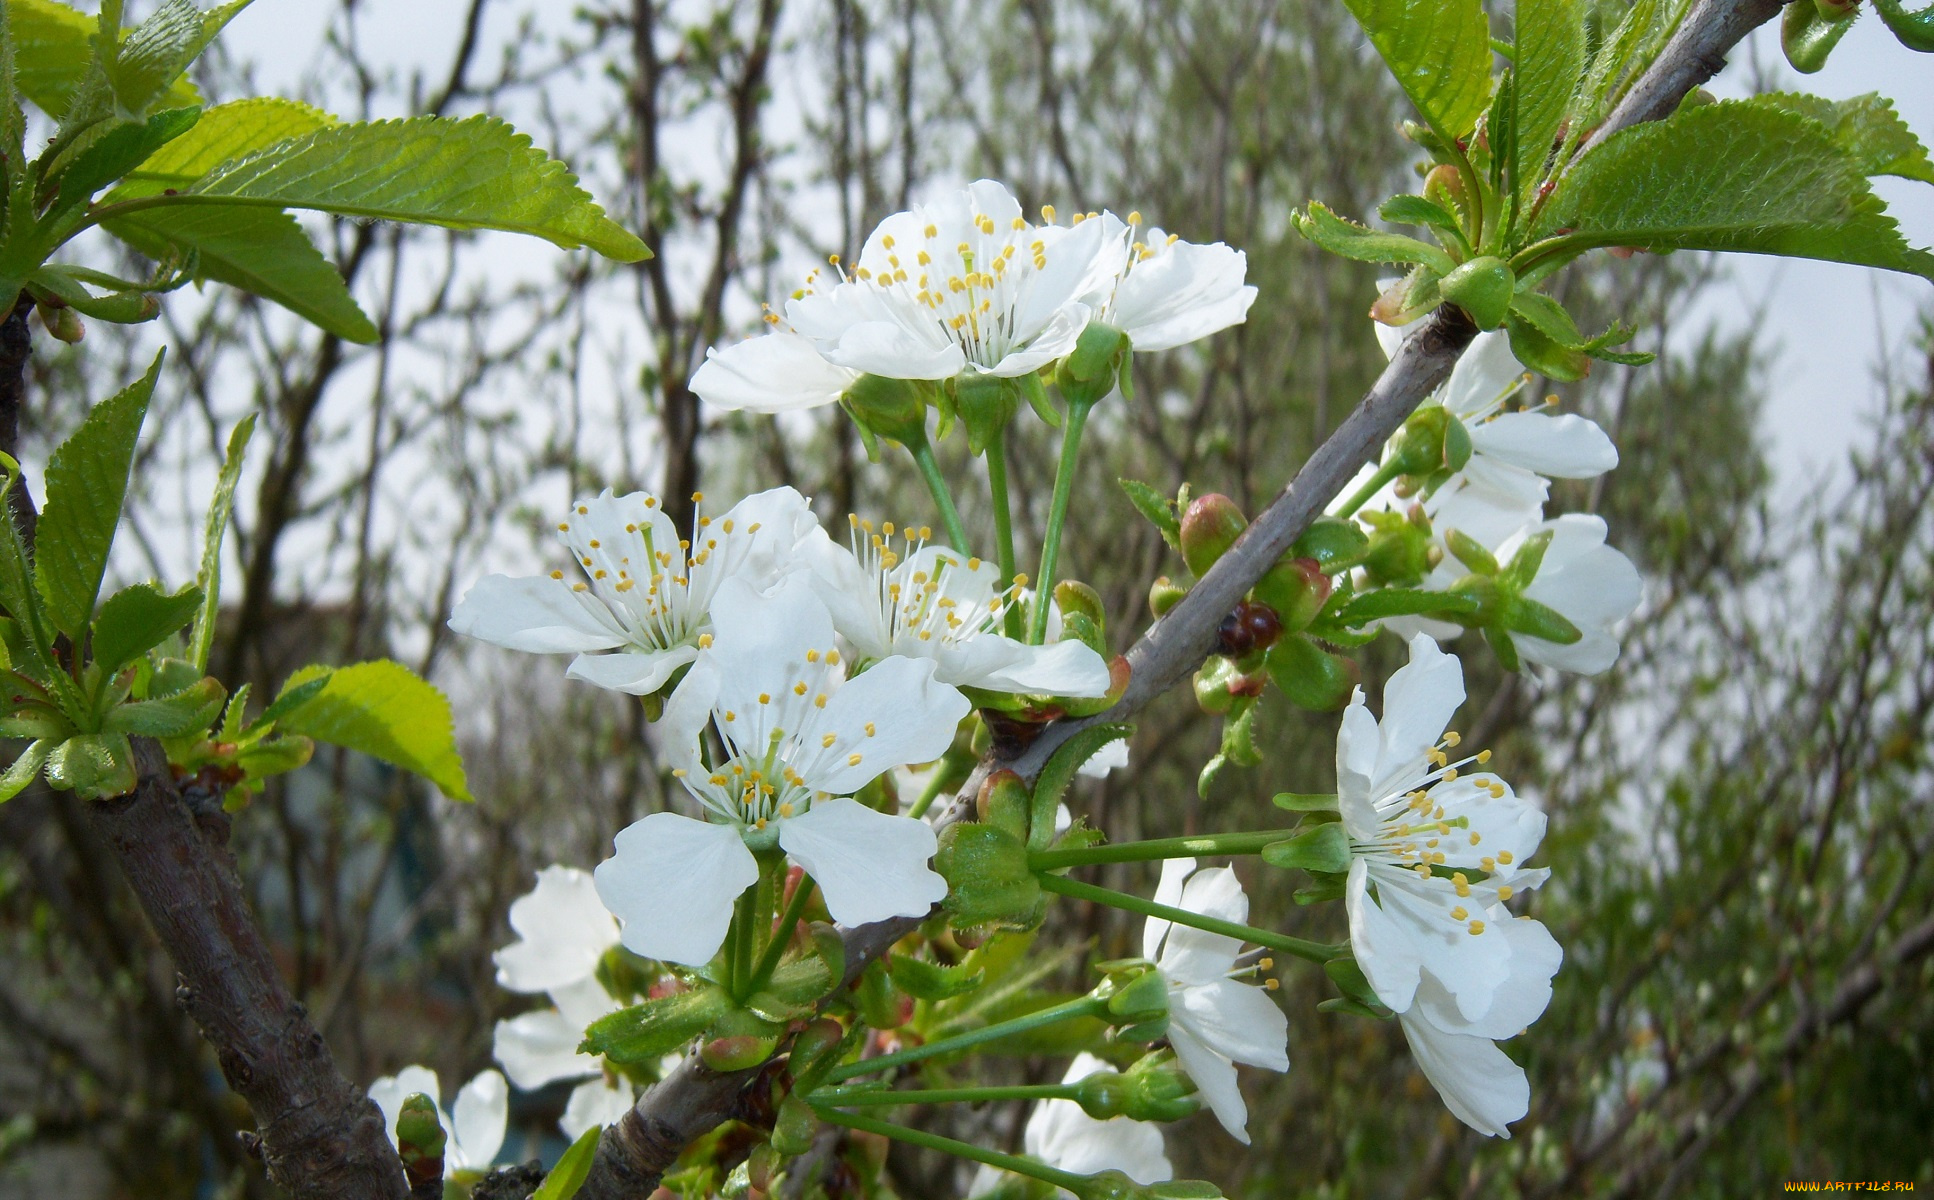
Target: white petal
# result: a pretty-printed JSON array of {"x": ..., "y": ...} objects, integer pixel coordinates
[
  {"x": 594, "y": 1104},
  {"x": 1382, "y": 947},
  {"x": 1418, "y": 702},
  {"x": 1470, "y": 966},
  {"x": 1194, "y": 955},
  {"x": 913, "y": 717},
  {"x": 1484, "y": 374},
  {"x": 1589, "y": 582},
  {"x": 1001, "y": 664},
  {"x": 1181, "y": 294},
  {"x": 672, "y": 883},
  {"x": 1175, "y": 872},
  {"x": 1565, "y": 447},
  {"x": 869, "y": 866},
  {"x": 639, "y": 674},
  {"x": 563, "y": 930},
  {"x": 1056, "y": 338},
  {"x": 1480, "y": 1085},
  {"x": 886, "y": 348},
  {"x": 536, "y": 614},
  {"x": 779, "y": 372},
  {"x": 1215, "y": 1081},
  {"x": 850, "y": 593},
  {"x": 1236, "y": 1020},
  {"x": 1358, "y": 743},
  {"x": 1523, "y": 995},
  {"x": 537, "y": 1048},
  {"x": 478, "y": 1119},
  {"x": 1506, "y": 824},
  {"x": 584, "y": 1001},
  {"x": 1588, "y": 655}
]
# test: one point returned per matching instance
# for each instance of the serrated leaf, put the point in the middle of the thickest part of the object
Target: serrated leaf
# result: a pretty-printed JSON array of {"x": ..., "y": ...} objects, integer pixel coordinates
[
  {"x": 645, "y": 1033},
  {"x": 1550, "y": 64},
  {"x": 1915, "y": 28},
  {"x": 117, "y": 152},
  {"x": 1866, "y": 127},
  {"x": 1062, "y": 766},
  {"x": 571, "y": 1170},
  {"x": 214, "y": 533},
  {"x": 1363, "y": 244},
  {"x": 384, "y": 710},
  {"x": 24, "y": 769},
  {"x": 1808, "y": 36},
  {"x": 191, "y": 711},
  {"x": 1549, "y": 317},
  {"x": 1542, "y": 353},
  {"x": 93, "y": 766},
  {"x": 87, "y": 481},
  {"x": 294, "y": 695},
  {"x": 30, "y": 640},
  {"x": 1416, "y": 210},
  {"x": 1159, "y": 510},
  {"x": 156, "y": 52},
  {"x": 930, "y": 981},
  {"x": 53, "y": 47},
  {"x": 136, "y": 619},
  {"x": 1728, "y": 176},
  {"x": 474, "y": 173},
  {"x": 1440, "y": 52}
]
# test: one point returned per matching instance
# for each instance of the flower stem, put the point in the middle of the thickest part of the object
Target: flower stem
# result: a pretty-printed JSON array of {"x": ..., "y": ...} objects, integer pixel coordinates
[
  {"x": 1057, "y": 517},
  {"x": 1084, "y": 1006},
  {"x": 942, "y": 498},
  {"x": 1316, "y": 952},
  {"x": 1158, "y": 848},
  {"x": 937, "y": 784},
  {"x": 1003, "y": 525},
  {"x": 743, "y": 919},
  {"x": 947, "y": 1145},
  {"x": 781, "y": 935},
  {"x": 1385, "y": 473},
  {"x": 872, "y": 1097}
]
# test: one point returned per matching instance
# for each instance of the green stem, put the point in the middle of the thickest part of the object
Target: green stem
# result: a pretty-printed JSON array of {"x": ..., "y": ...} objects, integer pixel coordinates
[
  {"x": 1084, "y": 1006},
  {"x": 1057, "y": 517},
  {"x": 942, "y": 498},
  {"x": 937, "y": 784},
  {"x": 1157, "y": 848},
  {"x": 1003, "y": 525},
  {"x": 1316, "y": 952},
  {"x": 947, "y": 1145},
  {"x": 781, "y": 935},
  {"x": 740, "y": 938},
  {"x": 873, "y": 1097},
  {"x": 1385, "y": 473}
]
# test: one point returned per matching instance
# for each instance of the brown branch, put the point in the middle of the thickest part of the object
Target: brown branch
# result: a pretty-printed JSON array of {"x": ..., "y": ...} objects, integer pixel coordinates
[{"x": 693, "y": 1100}]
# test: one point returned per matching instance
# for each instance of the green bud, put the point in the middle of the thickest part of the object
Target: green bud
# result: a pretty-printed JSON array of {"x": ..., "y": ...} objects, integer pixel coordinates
[
  {"x": 816, "y": 1047},
  {"x": 1310, "y": 676},
  {"x": 62, "y": 324},
  {"x": 1808, "y": 36},
  {"x": 1444, "y": 186},
  {"x": 1335, "y": 543},
  {"x": 645, "y": 1033},
  {"x": 1482, "y": 287},
  {"x": 794, "y": 1127},
  {"x": 94, "y": 766},
  {"x": 890, "y": 408},
  {"x": 1102, "y": 1095},
  {"x": 1418, "y": 448},
  {"x": 1297, "y": 589},
  {"x": 985, "y": 404},
  {"x": 1324, "y": 848},
  {"x": 1457, "y": 445},
  {"x": 1163, "y": 595},
  {"x": 988, "y": 879},
  {"x": 419, "y": 1133},
  {"x": 1221, "y": 686},
  {"x": 1091, "y": 370},
  {"x": 1209, "y": 527},
  {"x": 1400, "y": 549},
  {"x": 1003, "y": 802}
]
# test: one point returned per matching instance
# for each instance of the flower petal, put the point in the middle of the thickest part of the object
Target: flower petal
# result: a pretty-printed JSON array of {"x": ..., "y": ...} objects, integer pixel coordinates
[
  {"x": 1480, "y": 1085},
  {"x": 1175, "y": 872},
  {"x": 1382, "y": 946},
  {"x": 563, "y": 930},
  {"x": 1001, "y": 664},
  {"x": 1181, "y": 293},
  {"x": 869, "y": 866},
  {"x": 537, "y": 1048},
  {"x": 1418, "y": 702},
  {"x": 594, "y": 1104},
  {"x": 1215, "y": 1081},
  {"x": 1358, "y": 743},
  {"x": 1061, "y": 1135},
  {"x": 638, "y": 674},
  {"x": 1565, "y": 447},
  {"x": 1486, "y": 373},
  {"x": 1194, "y": 955},
  {"x": 778, "y": 372},
  {"x": 672, "y": 883},
  {"x": 477, "y": 1121},
  {"x": 897, "y": 711},
  {"x": 1236, "y": 1020},
  {"x": 535, "y": 614}
]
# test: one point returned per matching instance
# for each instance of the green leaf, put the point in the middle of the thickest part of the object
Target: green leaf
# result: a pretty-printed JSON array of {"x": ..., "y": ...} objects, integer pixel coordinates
[
  {"x": 121, "y": 308},
  {"x": 1914, "y": 29},
  {"x": 475, "y": 173},
  {"x": 1401, "y": 602},
  {"x": 191, "y": 711},
  {"x": 645, "y": 1033},
  {"x": 294, "y": 695},
  {"x": 214, "y": 532},
  {"x": 1543, "y": 353},
  {"x": 930, "y": 981},
  {"x": 1363, "y": 244},
  {"x": 1550, "y": 64},
  {"x": 87, "y": 481},
  {"x": 24, "y": 768},
  {"x": 1440, "y": 52},
  {"x": 1324, "y": 848},
  {"x": 1548, "y": 317},
  {"x": 1808, "y": 36},
  {"x": 384, "y": 710},
  {"x": 226, "y": 131},
  {"x": 156, "y": 52},
  {"x": 1062, "y": 766},
  {"x": 30, "y": 646},
  {"x": 53, "y": 47},
  {"x": 1734, "y": 175},
  {"x": 1159, "y": 509},
  {"x": 573, "y": 1169},
  {"x": 93, "y": 766},
  {"x": 1416, "y": 210},
  {"x": 1866, "y": 127},
  {"x": 117, "y": 152},
  {"x": 136, "y": 619}
]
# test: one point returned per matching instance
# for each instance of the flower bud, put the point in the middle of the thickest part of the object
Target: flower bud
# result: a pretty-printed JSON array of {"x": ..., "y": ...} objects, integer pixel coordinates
[
  {"x": 1209, "y": 527},
  {"x": 1163, "y": 595},
  {"x": 1482, "y": 287},
  {"x": 1420, "y": 446},
  {"x": 420, "y": 1138},
  {"x": 988, "y": 878},
  {"x": 62, "y": 324},
  {"x": 1444, "y": 186},
  {"x": 1137, "y": 998},
  {"x": 1296, "y": 589},
  {"x": 1089, "y": 372},
  {"x": 1399, "y": 552},
  {"x": 1102, "y": 1095},
  {"x": 890, "y": 408},
  {"x": 1003, "y": 803}
]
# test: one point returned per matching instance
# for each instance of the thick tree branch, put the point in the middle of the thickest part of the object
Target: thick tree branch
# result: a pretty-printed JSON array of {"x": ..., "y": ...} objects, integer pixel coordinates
[{"x": 694, "y": 1100}]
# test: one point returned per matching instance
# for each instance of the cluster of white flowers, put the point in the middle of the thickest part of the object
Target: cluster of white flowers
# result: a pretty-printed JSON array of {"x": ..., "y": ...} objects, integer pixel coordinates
[{"x": 1497, "y": 499}]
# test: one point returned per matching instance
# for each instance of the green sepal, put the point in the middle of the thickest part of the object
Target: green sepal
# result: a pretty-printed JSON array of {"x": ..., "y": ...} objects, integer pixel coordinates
[
  {"x": 1093, "y": 367},
  {"x": 985, "y": 404},
  {"x": 1139, "y": 1000},
  {"x": 136, "y": 619},
  {"x": 1322, "y": 888},
  {"x": 1051, "y": 785},
  {"x": 1409, "y": 298},
  {"x": 647, "y": 1032},
  {"x": 1524, "y": 564},
  {"x": 1536, "y": 620},
  {"x": 1914, "y": 29},
  {"x": 1363, "y": 244},
  {"x": 1503, "y": 647},
  {"x": 793, "y": 1128},
  {"x": 1543, "y": 354},
  {"x": 988, "y": 880},
  {"x": 1353, "y": 1008},
  {"x": 25, "y": 768},
  {"x": 1305, "y": 801},
  {"x": 931, "y": 981},
  {"x": 1324, "y": 848},
  {"x": 895, "y": 409},
  {"x": 1159, "y": 509},
  {"x": 1354, "y": 984},
  {"x": 190, "y": 711},
  {"x": 798, "y": 985},
  {"x": 1807, "y": 36},
  {"x": 1471, "y": 552},
  {"x": 1404, "y": 602},
  {"x": 94, "y": 766},
  {"x": 571, "y": 1170}
]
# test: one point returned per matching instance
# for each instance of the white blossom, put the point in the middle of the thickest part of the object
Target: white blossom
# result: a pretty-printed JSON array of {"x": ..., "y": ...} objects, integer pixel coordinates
[
  {"x": 1214, "y": 1019},
  {"x": 797, "y": 736},
  {"x": 645, "y": 594},
  {"x": 1436, "y": 853},
  {"x": 1167, "y": 292},
  {"x": 1061, "y": 1135},
  {"x": 475, "y": 1134},
  {"x": 927, "y": 601}
]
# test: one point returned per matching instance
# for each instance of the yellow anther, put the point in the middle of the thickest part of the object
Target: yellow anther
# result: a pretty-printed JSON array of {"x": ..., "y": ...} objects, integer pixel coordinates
[
  {"x": 812, "y": 656},
  {"x": 1504, "y": 856},
  {"x": 1450, "y": 775},
  {"x": 563, "y": 527},
  {"x": 1019, "y": 223},
  {"x": 1477, "y": 927},
  {"x": 1270, "y": 985},
  {"x": 1489, "y": 864},
  {"x": 678, "y": 772},
  {"x": 1497, "y": 791},
  {"x": 832, "y": 658},
  {"x": 1506, "y": 891},
  {"x": 1462, "y": 883},
  {"x": 557, "y": 574},
  {"x": 870, "y": 730},
  {"x": 765, "y": 697},
  {"x": 1452, "y": 738},
  {"x": 1458, "y": 913},
  {"x": 819, "y": 701},
  {"x": 799, "y": 689},
  {"x": 580, "y": 587},
  {"x": 827, "y": 741},
  {"x": 932, "y": 231},
  {"x": 1047, "y": 213},
  {"x": 886, "y": 242},
  {"x": 1437, "y": 856},
  {"x": 853, "y": 760},
  {"x": 1483, "y": 756},
  {"x": 731, "y": 716},
  {"x": 1475, "y": 837},
  {"x": 1020, "y": 579},
  {"x": 582, "y": 511}
]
